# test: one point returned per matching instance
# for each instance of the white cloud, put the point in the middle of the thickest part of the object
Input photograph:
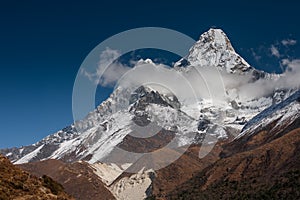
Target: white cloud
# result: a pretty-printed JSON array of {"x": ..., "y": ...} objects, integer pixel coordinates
[
  {"x": 288, "y": 42},
  {"x": 203, "y": 80},
  {"x": 108, "y": 71},
  {"x": 263, "y": 87},
  {"x": 255, "y": 55},
  {"x": 274, "y": 51},
  {"x": 292, "y": 72},
  {"x": 206, "y": 83}
]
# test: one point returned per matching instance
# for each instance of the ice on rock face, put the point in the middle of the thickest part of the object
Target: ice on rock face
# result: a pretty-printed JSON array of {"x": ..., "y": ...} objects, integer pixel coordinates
[
  {"x": 214, "y": 49},
  {"x": 288, "y": 107}
]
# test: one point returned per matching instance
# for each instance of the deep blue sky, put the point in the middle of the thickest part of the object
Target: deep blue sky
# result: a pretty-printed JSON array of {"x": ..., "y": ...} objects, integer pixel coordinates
[{"x": 42, "y": 44}]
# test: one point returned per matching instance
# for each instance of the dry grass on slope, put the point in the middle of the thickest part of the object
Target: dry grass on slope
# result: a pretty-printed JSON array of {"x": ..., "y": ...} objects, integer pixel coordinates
[{"x": 18, "y": 184}]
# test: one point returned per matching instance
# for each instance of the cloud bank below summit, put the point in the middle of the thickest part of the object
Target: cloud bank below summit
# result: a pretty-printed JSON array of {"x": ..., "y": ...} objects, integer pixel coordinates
[{"x": 205, "y": 82}]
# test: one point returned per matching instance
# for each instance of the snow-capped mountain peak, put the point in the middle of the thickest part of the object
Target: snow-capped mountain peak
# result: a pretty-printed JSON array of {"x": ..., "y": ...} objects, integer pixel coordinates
[
  {"x": 214, "y": 49},
  {"x": 217, "y": 38}
]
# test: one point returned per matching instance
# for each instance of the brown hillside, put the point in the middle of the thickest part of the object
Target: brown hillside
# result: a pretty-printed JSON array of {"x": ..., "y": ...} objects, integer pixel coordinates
[
  {"x": 77, "y": 178},
  {"x": 18, "y": 184},
  {"x": 270, "y": 171}
]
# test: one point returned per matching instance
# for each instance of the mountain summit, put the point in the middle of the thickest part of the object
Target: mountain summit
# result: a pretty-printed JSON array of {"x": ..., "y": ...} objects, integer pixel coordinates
[{"x": 214, "y": 49}]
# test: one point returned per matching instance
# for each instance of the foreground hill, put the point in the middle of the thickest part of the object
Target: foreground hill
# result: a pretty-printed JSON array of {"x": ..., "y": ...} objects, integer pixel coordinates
[
  {"x": 18, "y": 184},
  {"x": 77, "y": 178}
]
